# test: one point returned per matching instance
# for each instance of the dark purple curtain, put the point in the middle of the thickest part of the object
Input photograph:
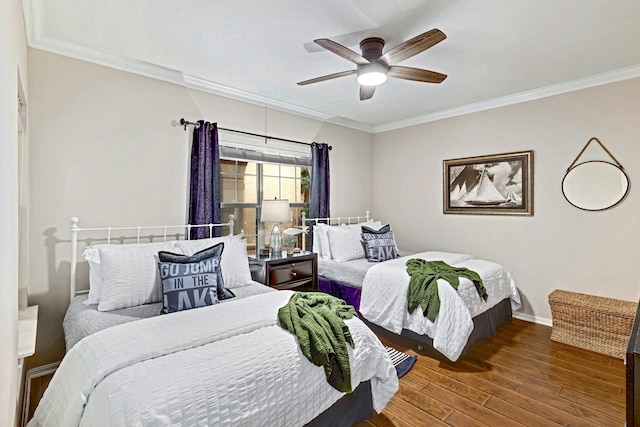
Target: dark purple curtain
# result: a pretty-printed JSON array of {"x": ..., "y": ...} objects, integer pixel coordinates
[
  {"x": 204, "y": 198},
  {"x": 319, "y": 203}
]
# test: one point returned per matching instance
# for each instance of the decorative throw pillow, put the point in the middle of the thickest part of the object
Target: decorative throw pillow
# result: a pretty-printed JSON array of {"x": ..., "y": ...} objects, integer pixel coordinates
[
  {"x": 235, "y": 262},
  {"x": 379, "y": 245},
  {"x": 192, "y": 281},
  {"x": 376, "y": 225}
]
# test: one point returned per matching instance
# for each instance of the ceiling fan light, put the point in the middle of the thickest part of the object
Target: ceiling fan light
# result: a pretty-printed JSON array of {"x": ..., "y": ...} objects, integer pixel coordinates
[
  {"x": 372, "y": 74},
  {"x": 373, "y": 78}
]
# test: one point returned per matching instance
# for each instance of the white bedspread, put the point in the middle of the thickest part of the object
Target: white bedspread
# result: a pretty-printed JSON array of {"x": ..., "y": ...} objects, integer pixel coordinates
[
  {"x": 384, "y": 299},
  {"x": 228, "y": 364},
  {"x": 82, "y": 320},
  {"x": 347, "y": 272}
]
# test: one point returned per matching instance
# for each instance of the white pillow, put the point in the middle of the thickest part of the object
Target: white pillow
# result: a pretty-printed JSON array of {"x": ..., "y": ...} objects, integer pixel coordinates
[
  {"x": 92, "y": 255},
  {"x": 234, "y": 262},
  {"x": 320, "y": 233},
  {"x": 345, "y": 243},
  {"x": 317, "y": 246},
  {"x": 130, "y": 274}
]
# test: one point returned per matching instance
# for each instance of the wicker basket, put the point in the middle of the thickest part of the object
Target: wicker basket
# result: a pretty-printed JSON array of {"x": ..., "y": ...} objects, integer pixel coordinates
[{"x": 594, "y": 323}]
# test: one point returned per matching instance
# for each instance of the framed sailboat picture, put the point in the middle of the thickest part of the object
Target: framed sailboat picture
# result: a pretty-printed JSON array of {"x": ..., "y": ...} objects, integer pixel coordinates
[{"x": 497, "y": 184}]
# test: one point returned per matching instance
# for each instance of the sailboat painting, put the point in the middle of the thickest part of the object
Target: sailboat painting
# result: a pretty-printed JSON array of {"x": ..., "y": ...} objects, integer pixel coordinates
[{"x": 500, "y": 184}]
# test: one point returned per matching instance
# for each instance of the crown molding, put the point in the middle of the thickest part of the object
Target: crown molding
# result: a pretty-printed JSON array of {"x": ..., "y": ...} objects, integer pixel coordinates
[
  {"x": 531, "y": 95},
  {"x": 32, "y": 13},
  {"x": 208, "y": 86},
  {"x": 176, "y": 77},
  {"x": 32, "y": 10}
]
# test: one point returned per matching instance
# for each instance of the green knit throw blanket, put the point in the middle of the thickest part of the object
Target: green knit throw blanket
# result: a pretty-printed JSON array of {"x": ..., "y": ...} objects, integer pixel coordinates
[
  {"x": 316, "y": 319},
  {"x": 423, "y": 287}
]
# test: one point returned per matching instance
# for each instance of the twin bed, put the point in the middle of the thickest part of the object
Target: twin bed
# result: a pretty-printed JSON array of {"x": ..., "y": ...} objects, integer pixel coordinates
[
  {"x": 378, "y": 289},
  {"x": 228, "y": 363}
]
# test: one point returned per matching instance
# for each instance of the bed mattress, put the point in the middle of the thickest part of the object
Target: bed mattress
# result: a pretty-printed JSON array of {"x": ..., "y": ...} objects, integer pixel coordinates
[
  {"x": 82, "y": 320},
  {"x": 347, "y": 272}
]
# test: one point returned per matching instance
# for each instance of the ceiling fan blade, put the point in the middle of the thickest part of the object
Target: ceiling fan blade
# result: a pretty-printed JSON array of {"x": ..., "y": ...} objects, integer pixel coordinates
[
  {"x": 366, "y": 92},
  {"x": 342, "y": 51},
  {"x": 413, "y": 46},
  {"x": 416, "y": 74},
  {"x": 327, "y": 77}
]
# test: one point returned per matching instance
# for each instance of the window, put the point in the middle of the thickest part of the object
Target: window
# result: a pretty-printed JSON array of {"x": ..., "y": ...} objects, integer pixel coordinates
[{"x": 245, "y": 182}]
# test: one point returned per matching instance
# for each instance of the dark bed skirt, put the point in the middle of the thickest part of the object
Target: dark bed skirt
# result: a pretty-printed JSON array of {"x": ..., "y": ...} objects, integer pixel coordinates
[
  {"x": 351, "y": 408},
  {"x": 350, "y": 294},
  {"x": 484, "y": 326}
]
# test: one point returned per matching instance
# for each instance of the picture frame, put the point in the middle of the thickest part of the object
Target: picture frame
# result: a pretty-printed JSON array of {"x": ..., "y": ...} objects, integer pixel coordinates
[{"x": 496, "y": 184}]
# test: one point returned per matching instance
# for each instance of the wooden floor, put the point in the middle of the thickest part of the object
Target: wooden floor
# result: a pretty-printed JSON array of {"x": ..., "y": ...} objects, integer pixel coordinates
[{"x": 519, "y": 377}]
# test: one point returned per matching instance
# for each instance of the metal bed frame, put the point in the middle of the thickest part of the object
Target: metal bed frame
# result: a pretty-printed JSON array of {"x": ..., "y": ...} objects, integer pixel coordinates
[
  {"x": 182, "y": 230},
  {"x": 346, "y": 411}
]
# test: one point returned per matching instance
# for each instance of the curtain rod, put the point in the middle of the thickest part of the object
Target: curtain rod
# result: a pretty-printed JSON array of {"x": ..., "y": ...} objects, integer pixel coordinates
[{"x": 184, "y": 123}]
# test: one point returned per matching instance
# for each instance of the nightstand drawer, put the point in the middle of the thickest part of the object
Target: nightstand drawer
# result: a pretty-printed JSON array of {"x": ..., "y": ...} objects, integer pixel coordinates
[
  {"x": 298, "y": 272},
  {"x": 290, "y": 272}
]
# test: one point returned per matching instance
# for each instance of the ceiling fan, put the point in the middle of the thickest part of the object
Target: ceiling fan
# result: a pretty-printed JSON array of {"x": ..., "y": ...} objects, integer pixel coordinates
[{"x": 373, "y": 67}]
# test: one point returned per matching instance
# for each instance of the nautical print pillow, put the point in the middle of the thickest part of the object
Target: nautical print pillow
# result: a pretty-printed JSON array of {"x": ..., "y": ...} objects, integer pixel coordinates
[
  {"x": 379, "y": 245},
  {"x": 192, "y": 281}
]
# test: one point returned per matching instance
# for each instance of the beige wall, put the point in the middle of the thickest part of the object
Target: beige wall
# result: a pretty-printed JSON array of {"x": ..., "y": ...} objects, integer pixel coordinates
[
  {"x": 13, "y": 67},
  {"x": 104, "y": 149},
  {"x": 560, "y": 247}
]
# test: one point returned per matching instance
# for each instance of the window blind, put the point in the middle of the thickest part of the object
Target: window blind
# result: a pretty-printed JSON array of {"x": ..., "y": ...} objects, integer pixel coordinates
[{"x": 252, "y": 154}]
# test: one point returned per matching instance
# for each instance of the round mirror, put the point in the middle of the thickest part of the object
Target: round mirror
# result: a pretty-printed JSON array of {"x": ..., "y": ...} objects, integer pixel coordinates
[{"x": 595, "y": 185}]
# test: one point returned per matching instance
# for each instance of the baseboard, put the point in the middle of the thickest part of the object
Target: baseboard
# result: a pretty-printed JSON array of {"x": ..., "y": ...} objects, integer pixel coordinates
[
  {"x": 33, "y": 373},
  {"x": 535, "y": 319}
]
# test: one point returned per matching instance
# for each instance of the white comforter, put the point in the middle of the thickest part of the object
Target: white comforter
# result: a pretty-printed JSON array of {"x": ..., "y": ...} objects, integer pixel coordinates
[
  {"x": 384, "y": 299},
  {"x": 228, "y": 364}
]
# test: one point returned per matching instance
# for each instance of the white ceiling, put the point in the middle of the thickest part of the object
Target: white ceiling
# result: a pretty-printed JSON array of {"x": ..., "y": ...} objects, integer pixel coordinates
[{"x": 498, "y": 52}]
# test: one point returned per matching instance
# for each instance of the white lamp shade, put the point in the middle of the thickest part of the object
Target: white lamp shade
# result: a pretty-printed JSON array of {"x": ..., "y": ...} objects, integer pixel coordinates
[{"x": 275, "y": 210}]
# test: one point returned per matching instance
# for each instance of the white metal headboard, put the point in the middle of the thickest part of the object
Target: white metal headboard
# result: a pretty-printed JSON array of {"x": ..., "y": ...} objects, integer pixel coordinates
[
  {"x": 336, "y": 220},
  {"x": 186, "y": 228}
]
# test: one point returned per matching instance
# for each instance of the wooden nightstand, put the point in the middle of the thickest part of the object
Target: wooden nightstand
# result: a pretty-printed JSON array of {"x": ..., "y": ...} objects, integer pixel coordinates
[{"x": 298, "y": 272}]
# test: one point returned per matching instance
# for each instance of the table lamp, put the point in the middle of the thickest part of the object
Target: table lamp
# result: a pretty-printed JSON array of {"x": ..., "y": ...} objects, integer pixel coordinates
[{"x": 275, "y": 210}]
